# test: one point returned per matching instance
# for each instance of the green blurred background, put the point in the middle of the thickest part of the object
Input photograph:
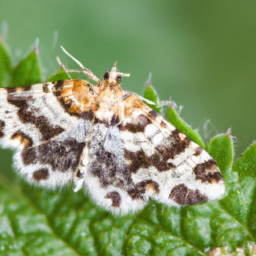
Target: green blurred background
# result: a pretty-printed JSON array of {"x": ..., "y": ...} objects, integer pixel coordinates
[{"x": 202, "y": 54}]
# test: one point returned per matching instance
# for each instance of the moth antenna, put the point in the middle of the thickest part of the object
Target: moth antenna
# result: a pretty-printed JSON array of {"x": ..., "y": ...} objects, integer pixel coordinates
[
  {"x": 85, "y": 70},
  {"x": 55, "y": 38},
  {"x": 125, "y": 74},
  {"x": 63, "y": 67},
  {"x": 144, "y": 99},
  {"x": 114, "y": 69}
]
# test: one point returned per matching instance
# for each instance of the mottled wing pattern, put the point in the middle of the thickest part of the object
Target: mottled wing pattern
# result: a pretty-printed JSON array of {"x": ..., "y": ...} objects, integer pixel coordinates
[
  {"x": 186, "y": 173},
  {"x": 45, "y": 125},
  {"x": 107, "y": 139},
  {"x": 138, "y": 154}
]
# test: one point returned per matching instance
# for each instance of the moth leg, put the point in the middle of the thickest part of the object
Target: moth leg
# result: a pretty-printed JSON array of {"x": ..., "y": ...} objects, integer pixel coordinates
[
  {"x": 62, "y": 66},
  {"x": 85, "y": 70}
]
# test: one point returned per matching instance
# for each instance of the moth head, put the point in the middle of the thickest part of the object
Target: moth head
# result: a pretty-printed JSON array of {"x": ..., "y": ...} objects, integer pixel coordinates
[{"x": 113, "y": 77}]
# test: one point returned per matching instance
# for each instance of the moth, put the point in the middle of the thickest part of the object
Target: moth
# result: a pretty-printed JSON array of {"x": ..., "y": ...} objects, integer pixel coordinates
[{"x": 107, "y": 140}]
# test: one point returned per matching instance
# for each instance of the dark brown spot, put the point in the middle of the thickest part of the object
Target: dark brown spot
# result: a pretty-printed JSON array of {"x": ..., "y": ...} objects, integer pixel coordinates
[
  {"x": 24, "y": 138},
  {"x": 27, "y": 114},
  {"x": 58, "y": 94},
  {"x": 41, "y": 174},
  {"x": 135, "y": 194},
  {"x": 203, "y": 172},
  {"x": 163, "y": 124},
  {"x": 29, "y": 156},
  {"x": 115, "y": 120},
  {"x": 87, "y": 115},
  {"x": 175, "y": 148},
  {"x": 148, "y": 185},
  {"x": 159, "y": 159},
  {"x": 60, "y": 155},
  {"x": 2, "y": 125},
  {"x": 106, "y": 76},
  {"x": 104, "y": 167},
  {"x": 153, "y": 113},
  {"x": 185, "y": 196},
  {"x": 11, "y": 89},
  {"x": 118, "y": 78},
  {"x": 66, "y": 104},
  {"x": 26, "y": 88},
  {"x": 198, "y": 151},
  {"x": 41, "y": 123},
  {"x": 18, "y": 98},
  {"x": 79, "y": 174},
  {"x": 142, "y": 122},
  {"x": 45, "y": 88},
  {"x": 107, "y": 166},
  {"x": 91, "y": 88},
  {"x": 115, "y": 197},
  {"x": 97, "y": 106},
  {"x": 126, "y": 96},
  {"x": 103, "y": 121},
  {"x": 136, "y": 160},
  {"x": 139, "y": 159},
  {"x": 58, "y": 85}
]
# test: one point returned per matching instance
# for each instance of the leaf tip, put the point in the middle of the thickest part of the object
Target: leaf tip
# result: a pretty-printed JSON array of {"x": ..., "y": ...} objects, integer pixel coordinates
[
  {"x": 36, "y": 47},
  {"x": 148, "y": 82},
  {"x": 228, "y": 132},
  {"x": 171, "y": 104}
]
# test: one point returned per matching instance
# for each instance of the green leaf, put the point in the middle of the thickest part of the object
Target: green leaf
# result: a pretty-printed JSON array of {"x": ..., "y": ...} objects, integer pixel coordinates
[
  {"x": 61, "y": 75},
  {"x": 86, "y": 228},
  {"x": 151, "y": 94},
  {"x": 36, "y": 221},
  {"x": 27, "y": 72},
  {"x": 24, "y": 230},
  {"x": 174, "y": 119},
  {"x": 172, "y": 116},
  {"x": 221, "y": 149},
  {"x": 241, "y": 199},
  {"x": 5, "y": 66}
]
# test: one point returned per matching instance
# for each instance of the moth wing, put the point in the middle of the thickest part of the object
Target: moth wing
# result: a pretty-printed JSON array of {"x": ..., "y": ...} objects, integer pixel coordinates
[
  {"x": 47, "y": 127},
  {"x": 185, "y": 172},
  {"x": 145, "y": 156},
  {"x": 105, "y": 173}
]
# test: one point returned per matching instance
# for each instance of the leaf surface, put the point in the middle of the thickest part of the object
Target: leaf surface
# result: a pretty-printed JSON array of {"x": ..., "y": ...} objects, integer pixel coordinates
[
  {"x": 151, "y": 94},
  {"x": 35, "y": 221},
  {"x": 27, "y": 71},
  {"x": 5, "y": 66}
]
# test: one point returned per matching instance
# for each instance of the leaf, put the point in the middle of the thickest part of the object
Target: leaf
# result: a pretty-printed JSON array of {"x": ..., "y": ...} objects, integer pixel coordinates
[
  {"x": 88, "y": 229},
  {"x": 172, "y": 116},
  {"x": 241, "y": 199},
  {"x": 24, "y": 230},
  {"x": 174, "y": 119},
  {"x": 27, "y": 72},
  {"x": 35, "y": 221},
  {"x": 5, "y": 66},
  {"x": 151, "y": 94},
  {"x": 221, "y": 149},
  {"x": 61, "y": 75}
]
